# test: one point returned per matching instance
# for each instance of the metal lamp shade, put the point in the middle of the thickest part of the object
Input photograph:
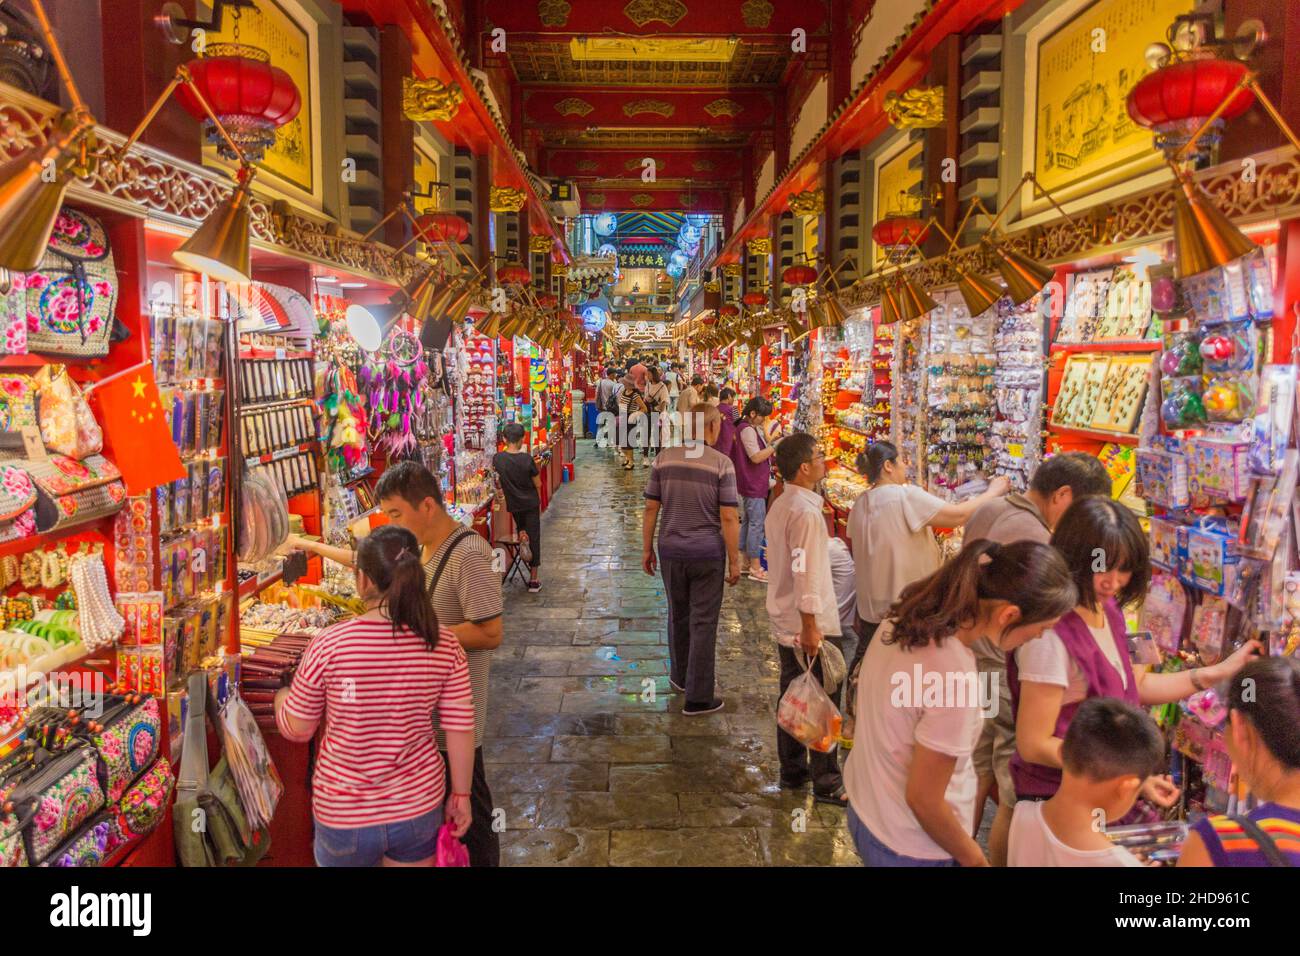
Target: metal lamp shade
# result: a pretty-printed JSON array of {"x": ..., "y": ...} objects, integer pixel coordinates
[
  {"x": 978, "y": 293},
  {"x": 889, "y": 306},
  {"x": 835, "y": 313},
  {"x": 489, "y": 325},
  {"x": 219, "y": 248},
  {"x": 1024, "y": 277},
  {"x": 29, "y": 204},
  {"x": 913, "y": 301},
  {"x": 462, "y": 298},
  {"x": 1204, "y": 238},
  {"x": 793, "y": 328}
]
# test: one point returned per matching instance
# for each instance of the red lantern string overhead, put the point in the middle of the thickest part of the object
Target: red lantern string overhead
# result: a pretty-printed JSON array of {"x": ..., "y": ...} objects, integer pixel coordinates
[
  {"x": 251, "y": 97},
  {"x": 1175, "y": 100},
  {"x": 441, "y": 227},
  {"x": 799, "y": 275},
  {"x": 514, "y": 274},
  {"x": 897, "y": 234},
  {"x": 754, "y": 298}
]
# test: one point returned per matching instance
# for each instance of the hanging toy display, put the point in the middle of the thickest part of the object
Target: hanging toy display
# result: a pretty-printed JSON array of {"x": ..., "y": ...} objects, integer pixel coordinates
[
  {"x": 391, "y": 384},
  {"x": 345, "y": 431}
]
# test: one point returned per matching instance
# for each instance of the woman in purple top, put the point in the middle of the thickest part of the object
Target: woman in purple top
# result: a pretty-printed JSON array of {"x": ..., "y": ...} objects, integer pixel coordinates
[
  {"x": 1263, "y": 740},
  {"x": 1086, "y": 654},
  {"x": 751, "y": 454}
]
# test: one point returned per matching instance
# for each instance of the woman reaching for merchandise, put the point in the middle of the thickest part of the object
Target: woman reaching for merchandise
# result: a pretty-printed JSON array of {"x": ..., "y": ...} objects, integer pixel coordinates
[
  {"x": 751, "y": 453},
  {"x": 909, "y": 776},
  {"x": 634, "y": 421},
  {"x": 379, "y": 784},
  {"x": 1263, "y": 739},
  {"x": 1086, "y": 655},
  {"x": 891, "y": 527}
]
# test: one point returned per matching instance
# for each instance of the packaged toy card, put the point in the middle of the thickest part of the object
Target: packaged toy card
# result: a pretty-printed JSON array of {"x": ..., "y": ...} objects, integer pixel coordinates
[
  {"x": 1164, "y": 612},
  {"x": 1211, "y": 559},
  {"x": 1167, "y": 551},
  {"x": 1219, "y": 469},
  {"x": 1162, "y": 478},
  {"x": 1268, "y": 508},
  {"x": 1209, "y": 623},
  {"x": 1274, "y": 413}
]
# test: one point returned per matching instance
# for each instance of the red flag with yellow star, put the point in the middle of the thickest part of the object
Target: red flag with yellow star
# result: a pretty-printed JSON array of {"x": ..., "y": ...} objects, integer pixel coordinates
[{"x": 137, "y": 437}]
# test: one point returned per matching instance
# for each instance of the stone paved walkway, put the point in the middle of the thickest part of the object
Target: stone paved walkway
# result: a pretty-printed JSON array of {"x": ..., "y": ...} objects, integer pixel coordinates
[{"x": 590, "y": 768}]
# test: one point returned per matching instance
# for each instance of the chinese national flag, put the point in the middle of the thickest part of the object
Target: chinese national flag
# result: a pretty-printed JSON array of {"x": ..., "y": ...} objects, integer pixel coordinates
[{"x": 137, "y": 437}]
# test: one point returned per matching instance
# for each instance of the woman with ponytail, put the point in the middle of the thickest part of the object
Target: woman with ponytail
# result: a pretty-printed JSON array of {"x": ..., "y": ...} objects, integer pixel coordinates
[
  {"x": 909, "y": 776},
  {"x": 892, "y": 530},
  {"x": 376, "y": 681},
  {"x": 1263, "y": 738}
]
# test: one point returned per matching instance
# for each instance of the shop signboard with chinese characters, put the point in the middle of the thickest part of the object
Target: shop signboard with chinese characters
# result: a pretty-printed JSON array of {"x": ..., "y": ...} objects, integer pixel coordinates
[
  {"x": 1085, "y": 69},
  {"x": 284, "y": 32},
  {"x": 643, "y": 331}
]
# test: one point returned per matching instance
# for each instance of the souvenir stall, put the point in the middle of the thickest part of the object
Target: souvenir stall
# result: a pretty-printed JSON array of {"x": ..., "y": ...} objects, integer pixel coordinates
[{"x": 855, "y": 401}]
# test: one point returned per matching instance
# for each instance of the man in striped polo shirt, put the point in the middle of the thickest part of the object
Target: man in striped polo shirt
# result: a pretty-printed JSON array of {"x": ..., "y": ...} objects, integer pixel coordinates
[
  {"x": 694, "y": 487},
  {"x": 466, "y": 594}
]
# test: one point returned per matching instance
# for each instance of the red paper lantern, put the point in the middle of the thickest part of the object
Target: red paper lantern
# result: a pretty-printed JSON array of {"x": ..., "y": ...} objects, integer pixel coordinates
[
  {"x": 1175, "y": 100},
  {"x": 799, "y": 275},
  {"x": 729, "y": 311},
  {"x": 899, "y": 231},
  {"x": 514, "y": 274},
  {"x": 251, "y": 97},
  {"x": 548, "y": 300},
  {"x": 754, "y": 298},
  {"x": 442, "y": 227}
]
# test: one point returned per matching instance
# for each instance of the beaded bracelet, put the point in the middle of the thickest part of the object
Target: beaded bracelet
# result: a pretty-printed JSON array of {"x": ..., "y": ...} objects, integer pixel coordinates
[{"x": 30, "y": 570}]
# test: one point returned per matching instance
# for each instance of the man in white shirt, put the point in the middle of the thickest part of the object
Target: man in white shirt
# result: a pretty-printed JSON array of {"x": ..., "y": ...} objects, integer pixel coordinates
[
  {"x": 673, "y": 378},
  {"x": 801, "y": 602}
]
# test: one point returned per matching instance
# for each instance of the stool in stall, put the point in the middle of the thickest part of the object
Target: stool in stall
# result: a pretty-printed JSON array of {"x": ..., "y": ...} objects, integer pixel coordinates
[{"x": 515, "y": 560}]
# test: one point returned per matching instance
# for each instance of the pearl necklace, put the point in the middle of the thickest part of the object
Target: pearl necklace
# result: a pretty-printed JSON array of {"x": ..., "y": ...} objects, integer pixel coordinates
[{"x": 101, "y": 625}]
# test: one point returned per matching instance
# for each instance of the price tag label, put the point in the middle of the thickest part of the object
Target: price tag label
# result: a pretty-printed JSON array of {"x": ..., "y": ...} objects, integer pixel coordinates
[
  {"x": 33, "y": 447},
  {"x": 1015, "y": 450}
]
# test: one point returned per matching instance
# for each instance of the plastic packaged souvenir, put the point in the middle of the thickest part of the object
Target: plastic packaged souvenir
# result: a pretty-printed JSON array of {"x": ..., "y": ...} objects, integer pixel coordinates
[
  {"x": 1168, "y": 543},
  {"x": 1164, "y": 612},
  {"x": 1229, "y": 348},
  {"x": 1268, "y": 509},
  {"x": 1209, "y": 624},
  {"x": 1182, "y": 405},
  {"x": 1182, "y": 355},
  {"x": 1274, "y": 412},
  {"x": 1211, "y": 559}
]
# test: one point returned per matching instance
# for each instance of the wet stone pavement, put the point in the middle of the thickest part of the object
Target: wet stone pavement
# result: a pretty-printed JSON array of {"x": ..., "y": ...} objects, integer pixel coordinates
[{"x": 588, "y": 754}]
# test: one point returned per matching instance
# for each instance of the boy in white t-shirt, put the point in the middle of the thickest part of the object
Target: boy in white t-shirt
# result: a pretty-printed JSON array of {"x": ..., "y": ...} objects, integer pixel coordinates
[{"x": 1110, "y": 748}]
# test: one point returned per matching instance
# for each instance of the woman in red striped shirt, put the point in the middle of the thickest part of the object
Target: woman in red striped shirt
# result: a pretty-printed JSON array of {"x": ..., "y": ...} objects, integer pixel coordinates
[{"x": 377, "y": 680}]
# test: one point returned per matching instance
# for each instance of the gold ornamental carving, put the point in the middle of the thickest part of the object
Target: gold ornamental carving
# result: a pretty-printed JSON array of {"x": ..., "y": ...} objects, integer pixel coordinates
[
  {"x": 540, "y": 244},
  {"x": 920, "y": 107},
  {"x": 761, "y": 246},
  {"x": 559, "y": 269},
  {"x": 572, "y": 106},
  {"x": 595, "y": 199},
  {"x": 641, "y": 200},
  {"x": 506, "y": 199},
  {"x": 634, "y": 164},
  {"x": 731, "y": 269},
  {"x": 704, "y": 166},
  {"x": 430, "y": 99},
  {"x": 713, "y": 286},
  {"x": 808, "y": 203},
  {"x": 657, "y": 107},
  {"x": 723, "y": 107},
  {"x": 667, "y": 12},
  {"x": 587, "y": 165},
  {"x": 687, "y": 200},
  {"x": 553, "y": 13},
  {"x": 756, "y": 13}
]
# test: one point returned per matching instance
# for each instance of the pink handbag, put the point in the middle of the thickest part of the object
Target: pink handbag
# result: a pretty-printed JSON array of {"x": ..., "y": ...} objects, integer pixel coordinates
[{"x": 450, "y": 851}]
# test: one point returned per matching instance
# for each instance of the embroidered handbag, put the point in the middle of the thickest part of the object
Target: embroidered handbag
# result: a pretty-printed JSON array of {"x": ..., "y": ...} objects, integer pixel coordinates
[
  {"x": 12, "y": 851},
  {"x": 17, "y": 403},
  {"x": 128, "y": 743},
  {"x": 17, "y": 503},
  {"x": 54, "y": 798},
  {"x": 68, "y": 426},
  {"x": 144, "y": 805},
  {"x": 71, "y": 492},
  {"x": 71, "y": 295},
  {"x": 91, "y": 845}
]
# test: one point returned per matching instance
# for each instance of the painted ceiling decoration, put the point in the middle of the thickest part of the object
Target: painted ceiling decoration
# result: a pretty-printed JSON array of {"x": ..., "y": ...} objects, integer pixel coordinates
[
  {"x": 654, "y": 49},
  {"x": 572, "y": 106},
  {"x": 756, "y": 13},
  {"x": 657, "y": 107},
  {"x": 723, "y": 107},
  {"x": 587, "y": 166},
  {"x": 553, "y": 13},
  {"x": 667, "y": 12},
  {"x": 643, "y": 199},
  {"x": 703, "y": 166}
]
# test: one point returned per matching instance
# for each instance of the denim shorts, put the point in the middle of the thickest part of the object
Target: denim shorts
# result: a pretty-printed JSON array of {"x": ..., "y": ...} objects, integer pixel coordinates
[
  {"x": 406, "y": 841},
  {"x": 875, "y": 853}
]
